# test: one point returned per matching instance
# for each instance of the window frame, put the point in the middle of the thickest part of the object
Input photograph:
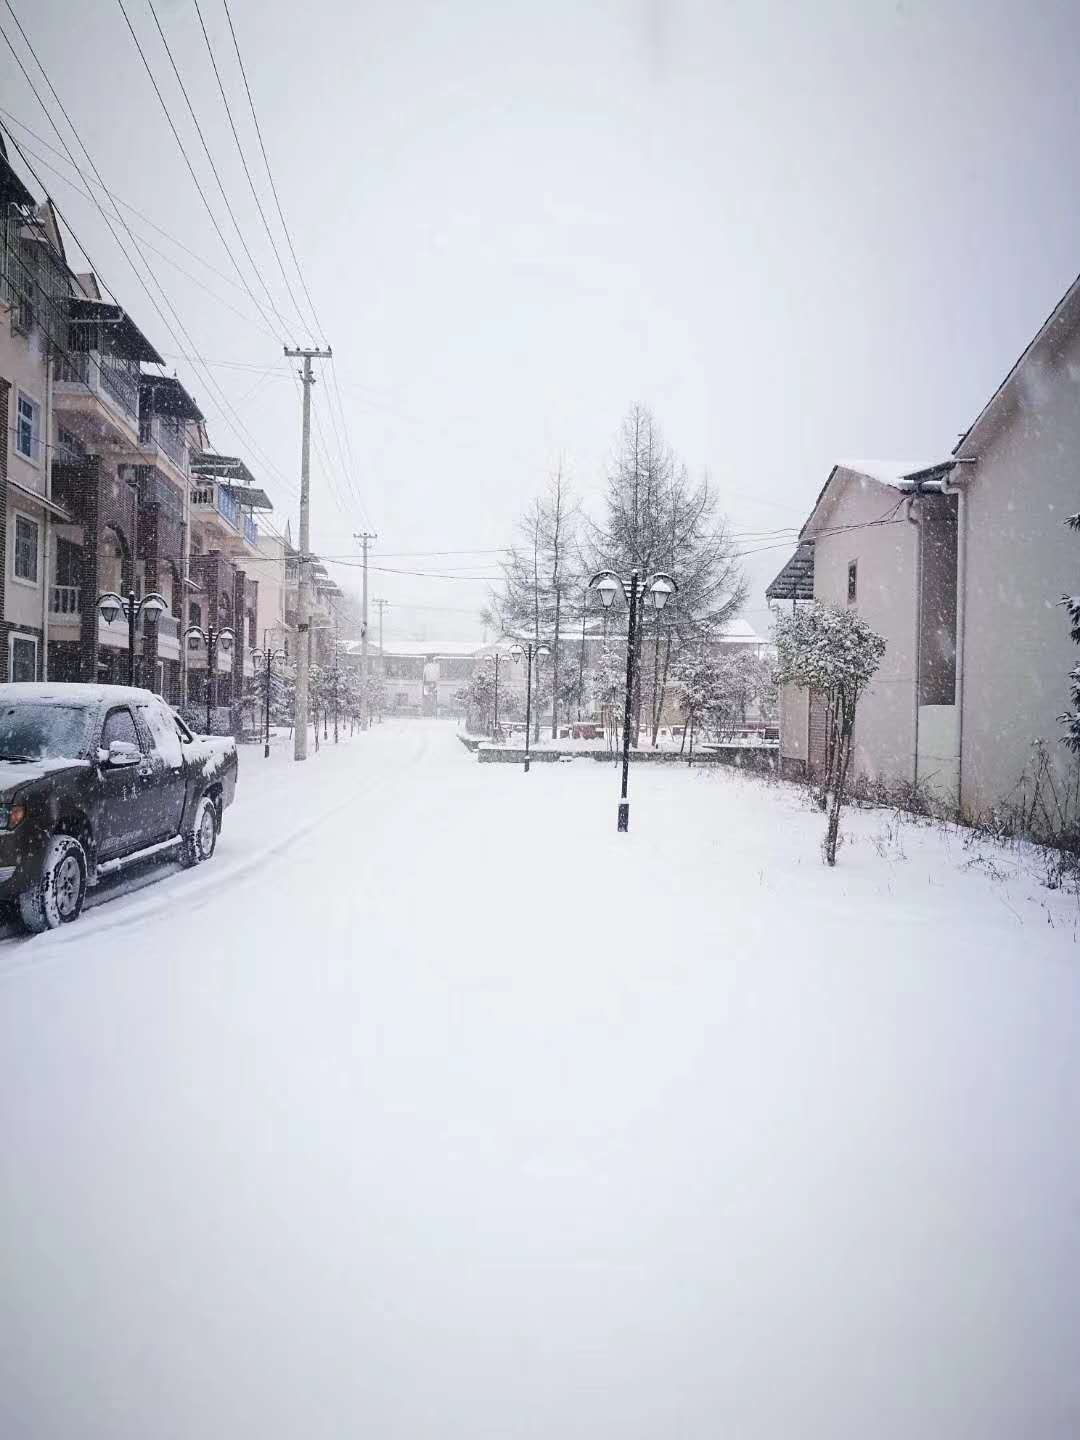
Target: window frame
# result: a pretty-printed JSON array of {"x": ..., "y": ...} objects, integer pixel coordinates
[
  {"x": 24, "y": 397},
  {"x": 16, "y": 516},
  {"x": 13, "y": 637},
  {"x": 123, "y": 709},
  {"x": 853, "y": 582}
]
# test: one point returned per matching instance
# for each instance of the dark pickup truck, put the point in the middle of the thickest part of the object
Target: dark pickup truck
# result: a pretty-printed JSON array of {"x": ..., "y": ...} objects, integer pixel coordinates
[{"x": 92, "y": 778}]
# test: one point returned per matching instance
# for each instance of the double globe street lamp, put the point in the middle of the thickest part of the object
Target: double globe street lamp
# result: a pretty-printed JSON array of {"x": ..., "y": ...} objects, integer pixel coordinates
[
  {"x": 111, "y": 606},
  {"x": 211, "y": 638},
  {"x": 266, "y": 659},
  {"x": 657, "y": 589},
  {"x": 533, "y": 650}
]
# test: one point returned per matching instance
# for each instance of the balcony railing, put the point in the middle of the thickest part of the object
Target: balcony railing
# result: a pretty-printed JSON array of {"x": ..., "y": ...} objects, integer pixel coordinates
[
  {"x": 168, "y": 437},
  {"x": 65, "y": 601},
  {"x": 99, "y": 373},
  {"x": 251, "y": 530}
]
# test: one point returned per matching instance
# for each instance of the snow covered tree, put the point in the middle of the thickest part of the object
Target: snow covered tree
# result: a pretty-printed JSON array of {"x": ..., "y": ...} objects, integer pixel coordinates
[
  {"x": 657, "y": 518},
  {"x": 538, "y": 580},
  {"x": 477, "y": 700},
  {"x": 697, "y": 679},
  {"x": 830, "y": 651},
  {"x": 1071, "y": 719},
  {"x": 607, "y": 679}
]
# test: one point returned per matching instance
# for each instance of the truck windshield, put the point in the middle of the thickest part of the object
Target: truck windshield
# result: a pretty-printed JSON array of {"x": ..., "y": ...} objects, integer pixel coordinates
[{"x": 33, "y": 731}]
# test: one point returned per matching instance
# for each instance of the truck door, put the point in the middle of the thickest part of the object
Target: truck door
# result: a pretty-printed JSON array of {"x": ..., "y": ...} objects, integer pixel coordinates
[
  {"x": 126, "y": 820},
  {"x": 167, "y": 785}
]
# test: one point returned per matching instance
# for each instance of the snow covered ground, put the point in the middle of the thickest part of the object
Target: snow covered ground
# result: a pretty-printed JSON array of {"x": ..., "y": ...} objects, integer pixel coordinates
[{"x": 432, "y": 1107}]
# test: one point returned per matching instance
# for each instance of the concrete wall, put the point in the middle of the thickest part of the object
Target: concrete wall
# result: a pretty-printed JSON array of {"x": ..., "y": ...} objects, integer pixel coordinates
[
  {"x": 886, "y": 557},
  {"x": 1021, "y": 559}
]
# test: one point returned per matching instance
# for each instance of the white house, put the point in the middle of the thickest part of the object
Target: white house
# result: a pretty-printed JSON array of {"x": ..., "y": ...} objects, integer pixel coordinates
[{"x": 959, "y": 563}]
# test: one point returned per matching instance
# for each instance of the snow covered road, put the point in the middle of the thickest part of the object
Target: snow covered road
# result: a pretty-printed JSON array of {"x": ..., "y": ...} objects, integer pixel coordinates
[{"x": 434, "y": 1108}]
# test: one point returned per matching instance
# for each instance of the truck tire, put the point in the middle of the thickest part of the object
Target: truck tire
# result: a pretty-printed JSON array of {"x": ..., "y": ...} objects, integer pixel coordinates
[
  {"x": 57, "y": 898},
  {"x": 200, "y": 840}
]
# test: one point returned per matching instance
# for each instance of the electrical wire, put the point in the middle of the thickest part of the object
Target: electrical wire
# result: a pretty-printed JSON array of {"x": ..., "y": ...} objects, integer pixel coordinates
[
  {"x": 176, "y": 135},
  {"x": 243, "y": 162}
]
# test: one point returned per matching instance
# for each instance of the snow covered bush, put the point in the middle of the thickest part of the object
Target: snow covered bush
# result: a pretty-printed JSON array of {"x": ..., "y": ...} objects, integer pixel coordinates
[{"x": 831, "y": 651}]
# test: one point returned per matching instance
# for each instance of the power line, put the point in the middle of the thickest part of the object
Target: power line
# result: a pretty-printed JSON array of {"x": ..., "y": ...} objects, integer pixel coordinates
[
  {"x": 347, "y": 454},
  {"x": 243, "y": 162},
  {"x": 270, "y": 173},
  {"x": 119, "y": 200},
  {"x": 180, "y": 143}
]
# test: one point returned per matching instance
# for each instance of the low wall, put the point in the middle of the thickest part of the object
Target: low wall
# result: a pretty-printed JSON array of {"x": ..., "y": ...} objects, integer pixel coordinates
[{"x": 741, "y": 758}]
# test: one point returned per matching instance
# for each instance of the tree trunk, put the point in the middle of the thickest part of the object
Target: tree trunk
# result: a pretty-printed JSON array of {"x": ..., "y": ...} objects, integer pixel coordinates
[
  {"x": 843, "y": 760},
  {"x": 555, "y": 667},
  {"x": 663, "y": 685}
]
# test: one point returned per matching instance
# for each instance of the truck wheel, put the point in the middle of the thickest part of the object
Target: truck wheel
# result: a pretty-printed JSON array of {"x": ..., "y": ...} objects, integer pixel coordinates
[
  {"x": 201, "y": 839},
  {"x": 58, "y": 896}
]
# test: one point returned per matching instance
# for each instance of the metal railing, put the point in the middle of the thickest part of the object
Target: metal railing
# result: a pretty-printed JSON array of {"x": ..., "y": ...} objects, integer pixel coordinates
[
  {"x": 66, "y": 600},
  {"x": 170, "y": 439},
  {"x": 99, "y": 374},
  {"x": 251, "y": 530},
  {"x": 227, "y": 507}
]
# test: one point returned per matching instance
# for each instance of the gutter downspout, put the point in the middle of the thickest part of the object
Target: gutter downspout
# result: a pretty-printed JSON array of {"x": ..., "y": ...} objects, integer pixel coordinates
[
  {"x": 46, "y": 528},
  {"x": 948, "y": 486},
  {"x": 911, "y": 517}
]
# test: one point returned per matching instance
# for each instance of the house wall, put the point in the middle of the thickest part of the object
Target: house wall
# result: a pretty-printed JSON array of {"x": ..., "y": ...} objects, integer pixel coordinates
[
  {"x": 23, "y": 366},
  {"x": 1021, "y": 558},
  {"x": 884, "y": 740}
]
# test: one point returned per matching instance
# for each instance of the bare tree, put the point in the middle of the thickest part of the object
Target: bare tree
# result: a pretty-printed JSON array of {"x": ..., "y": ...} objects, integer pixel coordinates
[{"x": 537, "y": 578}]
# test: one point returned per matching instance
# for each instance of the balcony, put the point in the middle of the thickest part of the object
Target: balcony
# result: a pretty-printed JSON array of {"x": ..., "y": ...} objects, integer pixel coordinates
[
  {"x": 214, "y": 500},
  {"x": 210, "y": 498},
  {"x": 160, "y": 432},
  {"x": 65, "y": 605},
  {"x": 97, "y": 395}
]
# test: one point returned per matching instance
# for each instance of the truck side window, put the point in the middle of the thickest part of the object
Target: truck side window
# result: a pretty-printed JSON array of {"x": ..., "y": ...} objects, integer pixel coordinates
[
  {"x": 163, "y": 734},
  {"x": 119, "y": 725}
]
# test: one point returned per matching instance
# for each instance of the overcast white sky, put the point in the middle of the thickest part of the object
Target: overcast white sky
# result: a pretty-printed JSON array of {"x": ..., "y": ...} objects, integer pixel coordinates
[{"x": 797, "y": 232}]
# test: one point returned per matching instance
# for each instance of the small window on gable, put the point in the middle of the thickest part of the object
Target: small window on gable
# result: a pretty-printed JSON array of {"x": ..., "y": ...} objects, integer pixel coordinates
[{"x": 852, "y": 582}]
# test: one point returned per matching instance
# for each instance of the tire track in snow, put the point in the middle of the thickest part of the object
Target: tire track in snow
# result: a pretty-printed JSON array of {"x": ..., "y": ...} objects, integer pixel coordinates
[{"x": 184, "y": 887}]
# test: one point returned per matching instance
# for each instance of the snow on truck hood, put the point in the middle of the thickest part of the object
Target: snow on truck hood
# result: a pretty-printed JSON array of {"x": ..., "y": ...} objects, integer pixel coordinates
[{"x": 14, "y": 773}]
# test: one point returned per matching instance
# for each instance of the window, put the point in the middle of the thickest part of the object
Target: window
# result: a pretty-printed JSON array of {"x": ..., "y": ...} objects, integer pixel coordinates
[
  {"x": 194, "y": 613},
  {"x": 70, "y": 448},
  {"x": 852, "y": 582},
  {"x": 68, "y": 562},
  {"x": 25, "y": 551},
  {"x": 43, "y": 730},
  {"x": 119, "y": 725},
  {"x": 27, "y": 428},
  {"x": 163, "y": 733},
  {"x": 23, "y": 658}
]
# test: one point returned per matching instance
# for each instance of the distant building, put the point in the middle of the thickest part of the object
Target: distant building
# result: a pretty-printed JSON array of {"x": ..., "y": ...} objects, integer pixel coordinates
[{"x": 420, "y": 677}]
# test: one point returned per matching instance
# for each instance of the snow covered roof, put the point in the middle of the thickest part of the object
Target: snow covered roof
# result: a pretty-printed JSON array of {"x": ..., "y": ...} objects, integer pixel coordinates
[
  {"x": 1047, "y": 341},
  {"x": 411, "y": 649},
  {"x": 881, "y": 472}
]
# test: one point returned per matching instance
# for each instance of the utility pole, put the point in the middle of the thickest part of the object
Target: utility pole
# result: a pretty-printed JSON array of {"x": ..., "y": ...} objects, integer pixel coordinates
[
  {"x": 364, "y": 538},
  {"x": 303, "y": 654},
  {"x": 382, "y": 604}
]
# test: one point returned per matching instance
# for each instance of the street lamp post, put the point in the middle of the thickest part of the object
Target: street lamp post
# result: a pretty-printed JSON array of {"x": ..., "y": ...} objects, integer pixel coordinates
[
  {"x": 494, "y": 660},
  {"x": 517, "y": 652},
  {"x": 266, "y": 658},
  {"x": 659, "y": 589},
  {"x": 111, "y": 606},
  {"x": 211, "y": 637}
]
